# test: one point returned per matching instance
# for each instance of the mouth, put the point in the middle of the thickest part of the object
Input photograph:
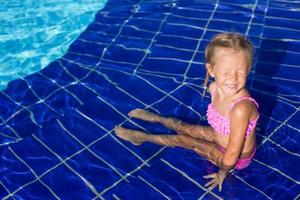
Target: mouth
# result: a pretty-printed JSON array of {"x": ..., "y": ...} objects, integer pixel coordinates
[{"x": 231, "y": 86}]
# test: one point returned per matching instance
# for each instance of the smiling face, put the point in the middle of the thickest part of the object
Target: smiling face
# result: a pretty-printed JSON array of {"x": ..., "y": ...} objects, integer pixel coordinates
[{"x": 230, "y": 69}]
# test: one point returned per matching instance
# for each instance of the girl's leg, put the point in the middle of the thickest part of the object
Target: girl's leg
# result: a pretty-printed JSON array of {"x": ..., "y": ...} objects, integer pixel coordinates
[
  {"x": 196, "y": 131},
  {"x": 207, "y": 149}
]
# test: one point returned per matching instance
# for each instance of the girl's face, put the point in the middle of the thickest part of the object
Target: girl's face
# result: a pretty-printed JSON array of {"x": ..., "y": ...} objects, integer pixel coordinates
[{"x": 230, "y": 70}]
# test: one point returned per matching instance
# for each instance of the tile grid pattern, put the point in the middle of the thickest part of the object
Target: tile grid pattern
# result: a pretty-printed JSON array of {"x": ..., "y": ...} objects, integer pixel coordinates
[{"x": 76, "y": 75}]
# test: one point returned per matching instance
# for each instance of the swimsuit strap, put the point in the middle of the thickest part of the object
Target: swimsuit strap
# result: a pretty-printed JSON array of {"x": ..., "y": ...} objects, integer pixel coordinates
[{"x": 241, "y": 99}]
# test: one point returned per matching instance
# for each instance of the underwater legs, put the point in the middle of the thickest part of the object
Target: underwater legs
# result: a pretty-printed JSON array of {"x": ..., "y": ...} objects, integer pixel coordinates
[
  {"x": 196, "y": 131},
  {"x": 207, "y": 149}
]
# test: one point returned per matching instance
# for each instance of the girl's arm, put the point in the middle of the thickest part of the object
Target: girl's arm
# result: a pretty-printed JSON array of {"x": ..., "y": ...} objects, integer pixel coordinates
[{"x": 239, "y": 120}]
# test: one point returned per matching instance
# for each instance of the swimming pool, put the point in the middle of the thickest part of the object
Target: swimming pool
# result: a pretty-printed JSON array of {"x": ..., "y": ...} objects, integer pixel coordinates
[
  {"x": 34, "y": 33},
  {"x": 57, "y": 139}
]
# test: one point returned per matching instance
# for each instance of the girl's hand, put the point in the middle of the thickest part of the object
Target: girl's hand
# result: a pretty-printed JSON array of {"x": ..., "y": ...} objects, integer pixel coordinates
[{"x": 217, "y": 179}]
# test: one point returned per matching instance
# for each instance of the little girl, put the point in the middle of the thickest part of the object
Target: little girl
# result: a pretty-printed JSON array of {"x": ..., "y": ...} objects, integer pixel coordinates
[{"x": 229, "y": 141}]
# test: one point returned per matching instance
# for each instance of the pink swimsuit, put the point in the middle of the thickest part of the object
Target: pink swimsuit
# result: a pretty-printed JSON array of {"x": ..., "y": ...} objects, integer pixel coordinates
[{"x": 221, "y": 125}]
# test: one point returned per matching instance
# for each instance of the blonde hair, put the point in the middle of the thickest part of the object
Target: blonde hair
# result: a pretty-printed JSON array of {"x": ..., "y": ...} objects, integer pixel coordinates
[{"x": 226, "y": 40}]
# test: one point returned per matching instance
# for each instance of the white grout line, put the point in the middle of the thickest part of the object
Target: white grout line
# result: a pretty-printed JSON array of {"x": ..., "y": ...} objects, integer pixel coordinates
[
  {"x": 200, "y": 40},
  {"x": 133, "y": 171},
  {"x": 260, "y": 191},
  {"x": 277, "y": 128},
  {"x": 189, "y": 178},
  {"x": 116, "y": 197},
  {"x": 109, "y": 133},
  {"x": 152, "y": 41},
  {"x": 87, "y": 183},
  {"x": 297, "y": 197},
  {"x": 278, "y": 171},
  {"x": 9, "y": 194},
  {"x": 89, "y": 150},
  {"x": 31, "y": 115},
  {"x": 104, "y": 102},
  {"x": 33, "y": 172},
  {"x": 154, "y": 188},
  {"x": 60, "y": 163}
]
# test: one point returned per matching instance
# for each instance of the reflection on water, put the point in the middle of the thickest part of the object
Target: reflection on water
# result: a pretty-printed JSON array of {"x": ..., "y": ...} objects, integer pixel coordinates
[{"x": 34, "y": 33}]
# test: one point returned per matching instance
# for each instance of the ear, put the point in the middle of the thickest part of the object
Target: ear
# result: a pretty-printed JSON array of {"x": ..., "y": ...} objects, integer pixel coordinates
[{"x": 210, "y": 70}]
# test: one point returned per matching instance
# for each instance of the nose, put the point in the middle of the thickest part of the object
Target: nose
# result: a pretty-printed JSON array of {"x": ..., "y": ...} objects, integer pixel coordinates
[{"x": 234, "y": 76}]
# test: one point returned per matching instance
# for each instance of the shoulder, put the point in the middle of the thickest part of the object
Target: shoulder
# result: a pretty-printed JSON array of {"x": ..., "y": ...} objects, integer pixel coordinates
[{"x": 243, "y": 109}]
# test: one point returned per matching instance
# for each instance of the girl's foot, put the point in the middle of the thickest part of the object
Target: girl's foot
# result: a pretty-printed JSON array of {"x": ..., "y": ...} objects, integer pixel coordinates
[
  {"x": 135, "y": 137},
  {"x": 144, "y": 115}
]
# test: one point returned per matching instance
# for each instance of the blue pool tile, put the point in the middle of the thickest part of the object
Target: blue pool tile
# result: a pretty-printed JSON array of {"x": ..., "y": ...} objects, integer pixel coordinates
[
  {"x": 15, "y": 174},
  {"x": 199, "y": 57},
  {"x": 88, "y": 48},
  {"x": 227, "y": 26},
  {"x": 137, "y": 188},
  {"x": 190, "y": 13},
  {"x": 186, "y": 21},
  {"x": 36, "y": 156},
  {"x": 164, "y": 66},
  {"x": 36, "y": 190},
  {"x": 167, "y": 53},
  {"x": 65, "y": 182},
  {"x": 102, "y": 36},
  {"x": 294, "y": 120},
  {"x": 150, "y": 54},
  {"x": 280, "y": 57},
  {"x": 275, "y": 185},
  {"x": 256, "y": 30},
  {"x": 74, "y": 69},
  {"x": 127, "y": 157},
  {"x": 21, "y": 93},
  {"x": 104, "y": 114},
  {"x": 283, "y": 161},
  {"x": 57, "y": 72},
  {"x": 278, "y": 33},
  {"x": 127, "y": 55},
  {"x": 93, "y": 31},
  {"x": 8, "y": 106},
  {"x": 282, "y": 13},
  {"x": 109, "y": 20},
  {"x": 62, "y": 99},
  {"x": 40, "y": 85},
  {"x": 177, "y": 42},
  {"x": 3, "y": 191},
  {"x": 24, "y": 123},
  {"x": 44, "y": 113},
  {"x": 163, "y": 170},
  {"x": 234, "y": 16},
  {"x": 154, "y": 7},
  {"x": 280, "y": 45},
  {"x": 186, "y": 31},
  {"x": 80, "y": 128},
  {"x": 61, "y": 144},
  {"x": 282, "y": 23},
  {"x": 94, "y": 170},
  {"x": 288, "y": 139},
  {"x": 82, "y": 58},
  {"x": 193, "y": 5},
  {"x": 196, "y": 71}
]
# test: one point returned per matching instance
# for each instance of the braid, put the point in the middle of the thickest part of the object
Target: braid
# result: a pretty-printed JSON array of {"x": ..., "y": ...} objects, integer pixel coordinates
[{"x": 207, "y": 76}]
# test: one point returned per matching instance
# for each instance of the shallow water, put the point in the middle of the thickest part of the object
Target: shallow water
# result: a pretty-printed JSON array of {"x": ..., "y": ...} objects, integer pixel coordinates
[
  {"x": 34, "y": 33},
  {"x": 56, "y": 125}
]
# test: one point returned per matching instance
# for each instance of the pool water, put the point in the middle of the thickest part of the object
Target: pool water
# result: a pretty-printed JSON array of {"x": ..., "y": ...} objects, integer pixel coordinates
[
  {"x": 56, "y": 125},
  {"x": 34, "y": 33}
]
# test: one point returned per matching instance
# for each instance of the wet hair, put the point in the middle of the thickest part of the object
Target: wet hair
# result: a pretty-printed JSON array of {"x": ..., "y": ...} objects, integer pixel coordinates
[{"x": 226, "y": 40}]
